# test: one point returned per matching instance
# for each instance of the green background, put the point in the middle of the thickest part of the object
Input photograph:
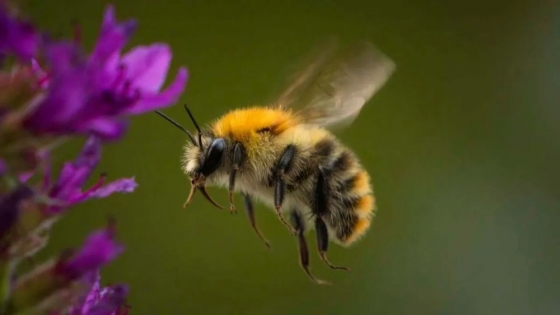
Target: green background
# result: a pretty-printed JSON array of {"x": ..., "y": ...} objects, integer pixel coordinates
[{"x": 462, "y": 146}]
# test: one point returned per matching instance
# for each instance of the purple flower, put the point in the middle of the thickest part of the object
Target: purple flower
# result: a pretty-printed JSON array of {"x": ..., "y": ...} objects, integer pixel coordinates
[
  {"x": 16, "y": 36},
  {"x": 93, "y": 95},
  {"x": 98, "y": 250},
  {"x": 68, "y": 187},
  {"x": 124, "y": 185},
  {"x": 101, "y": 301},
  {"x": 40, "y": 74},
  {"x": 111, "y": 301},
  {"x": 42, "y": 288}
]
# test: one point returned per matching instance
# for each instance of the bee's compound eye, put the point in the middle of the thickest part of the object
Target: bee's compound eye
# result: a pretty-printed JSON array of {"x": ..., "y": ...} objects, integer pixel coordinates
[{"x": 213, "y": 156}]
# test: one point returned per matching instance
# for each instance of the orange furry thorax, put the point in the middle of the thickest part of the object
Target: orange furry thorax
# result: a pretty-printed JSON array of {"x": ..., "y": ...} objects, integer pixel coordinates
[{"x": 245, "y": 123}]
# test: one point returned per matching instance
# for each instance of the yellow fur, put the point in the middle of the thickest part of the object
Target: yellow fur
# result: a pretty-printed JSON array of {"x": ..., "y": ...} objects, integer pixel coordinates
[
  {"x": 316, "y": 135},
  {"x": 365, "y": 206},
  {"x": 242, "y": 124},
  {"x": 361, "y": 184},
  {"x": 359, "y": 230}
]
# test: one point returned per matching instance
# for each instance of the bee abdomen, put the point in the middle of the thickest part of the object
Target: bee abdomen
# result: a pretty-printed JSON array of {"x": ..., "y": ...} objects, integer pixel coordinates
[
  {"x": 302, "y": 176},
  {"x": 352, "y": 202}
]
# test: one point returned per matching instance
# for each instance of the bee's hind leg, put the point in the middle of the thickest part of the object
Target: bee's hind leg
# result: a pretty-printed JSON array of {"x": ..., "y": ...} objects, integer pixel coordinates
[
  {"x": 284, "y": 165},
  {"x": 320, "y": 208},
  {"x": 303, "y": 249},
  {"x": 251, "y": 214},
  {"x": 323, "y": 243}
]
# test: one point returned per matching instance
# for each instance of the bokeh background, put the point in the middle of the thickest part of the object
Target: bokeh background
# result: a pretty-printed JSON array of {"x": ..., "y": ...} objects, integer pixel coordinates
[{"x": 462, "y": 145}]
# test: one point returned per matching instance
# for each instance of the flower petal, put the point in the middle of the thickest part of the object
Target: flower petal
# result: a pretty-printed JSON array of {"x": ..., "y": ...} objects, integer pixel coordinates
[
  {"x": 147, "y": 66},
  {"x": 125, "y": 185},
  {"x": 66, "y": 97},
  {"x": 77, "y": 172},
  {"x": 111, "y": 300},
  {"x": 25, "y": 176},
  {"x": 93, "y": 279},
  {"x": 40, "y": 74},
  {"x": 113, "y": 36},
  {"x": 17, "y": 36},
  {"x": 67, "y": 93},
  {"x": 106, "y": 128},
  {"x": 169, "y": 96},
  {"x": 74, "y": 174},
  {"x": 98, "y": 250},
  {"x": 91, "y": 153},
  {"x": 100, "y": 301}
]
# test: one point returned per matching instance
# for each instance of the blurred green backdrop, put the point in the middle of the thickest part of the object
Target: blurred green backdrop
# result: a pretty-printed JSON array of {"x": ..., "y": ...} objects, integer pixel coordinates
[{"x": 462, "y": 145}]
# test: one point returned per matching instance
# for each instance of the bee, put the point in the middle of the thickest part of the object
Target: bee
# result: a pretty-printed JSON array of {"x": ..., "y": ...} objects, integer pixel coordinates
[{"x": 285, "y": 156}]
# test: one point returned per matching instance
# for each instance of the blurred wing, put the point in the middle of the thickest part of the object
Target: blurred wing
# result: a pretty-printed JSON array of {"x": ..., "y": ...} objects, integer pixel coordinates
[{"x": 333, "y": 88}]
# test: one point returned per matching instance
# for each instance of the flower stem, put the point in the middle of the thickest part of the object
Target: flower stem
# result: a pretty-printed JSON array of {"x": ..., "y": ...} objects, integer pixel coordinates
[{"x": 8, "y": 269}]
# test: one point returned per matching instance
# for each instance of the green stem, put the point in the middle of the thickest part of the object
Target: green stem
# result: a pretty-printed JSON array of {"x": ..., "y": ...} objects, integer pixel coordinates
[{"x": 8, "y": 268}]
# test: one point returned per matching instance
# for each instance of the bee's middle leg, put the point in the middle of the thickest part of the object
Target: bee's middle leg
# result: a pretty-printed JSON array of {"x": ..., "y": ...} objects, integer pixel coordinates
[
  {"x": 251, "y": 214},
  {"x": 283, "y": 166}
]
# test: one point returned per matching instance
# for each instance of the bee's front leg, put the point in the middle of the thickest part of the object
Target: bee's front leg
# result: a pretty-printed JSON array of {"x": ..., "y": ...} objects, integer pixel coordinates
[
  {"x": 321, "y": 207},
  {"x": 283, "y": 166},
  {"x": 239, "y": 156}
]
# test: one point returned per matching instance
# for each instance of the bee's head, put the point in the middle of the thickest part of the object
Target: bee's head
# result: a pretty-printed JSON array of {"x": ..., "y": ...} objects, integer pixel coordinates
[
  {"x": 203, "y": 156},
  {"x": 207, "y": 157}
]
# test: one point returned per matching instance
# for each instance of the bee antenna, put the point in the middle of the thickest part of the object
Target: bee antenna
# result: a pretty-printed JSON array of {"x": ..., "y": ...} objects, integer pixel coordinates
[
  {"x": 176, "y": 124},
  {"x": 195, "y": 125}
]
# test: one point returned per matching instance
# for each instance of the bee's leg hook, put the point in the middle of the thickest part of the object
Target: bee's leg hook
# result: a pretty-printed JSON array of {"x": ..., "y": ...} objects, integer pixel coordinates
[
  {"x": 320, "y": 208},
  {"x": 302, "y": 245},
  {"x": 251, "y": 214},
  {"x": 191, "y": 194},
  {"x": 323, "y": 243},
  {"x": 283, "y": 166},
  {"x": 238, "y": 157}
]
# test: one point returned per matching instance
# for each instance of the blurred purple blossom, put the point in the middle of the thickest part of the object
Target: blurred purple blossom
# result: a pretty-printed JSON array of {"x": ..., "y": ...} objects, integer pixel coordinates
[
  {"x": 16, "y": 36},
  {"x": 71, "y": 283},
  {"x": 56, "y": 88},
  {"x": 40, "y": 74},
  {"x": 93, "y": 95},
  {"x": 68, "y": 187},
  {"x": 101, "y": 301},
  {"x": 98, "y": 250}
]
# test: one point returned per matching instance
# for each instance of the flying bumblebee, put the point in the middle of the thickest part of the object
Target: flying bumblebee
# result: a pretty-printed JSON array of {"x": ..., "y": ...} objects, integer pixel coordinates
[{"x": 284, "y": 155}]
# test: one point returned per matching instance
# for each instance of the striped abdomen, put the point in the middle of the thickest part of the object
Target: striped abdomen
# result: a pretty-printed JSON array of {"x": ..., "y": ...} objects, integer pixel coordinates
[{"x": 350, "y": 202}]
